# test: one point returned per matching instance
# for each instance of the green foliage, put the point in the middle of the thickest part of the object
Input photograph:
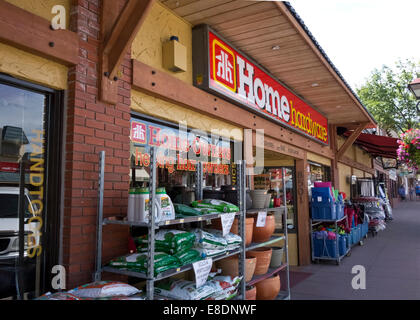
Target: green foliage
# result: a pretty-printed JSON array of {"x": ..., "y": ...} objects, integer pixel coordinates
[{"x": 386, "y": 96}]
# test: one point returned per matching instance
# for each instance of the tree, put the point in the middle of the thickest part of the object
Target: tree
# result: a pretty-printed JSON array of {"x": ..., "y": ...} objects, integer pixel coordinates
[{"x": 386, "y": 96}]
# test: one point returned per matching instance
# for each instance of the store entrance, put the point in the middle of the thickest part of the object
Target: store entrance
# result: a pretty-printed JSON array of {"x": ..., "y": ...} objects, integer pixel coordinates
[
  {"x": 25, "y": 230},
  {"x": 271, "y": 179}
]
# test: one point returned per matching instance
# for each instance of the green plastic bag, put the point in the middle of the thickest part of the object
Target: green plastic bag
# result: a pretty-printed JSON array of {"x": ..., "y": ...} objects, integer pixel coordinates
[
  {"x": 219, "y": 205},
  {"x": 188, "y": 257},
  {"x": 184, "y": 210},
  {"x": 207, "y": 240},
  {"x": 138, "y": 262}
]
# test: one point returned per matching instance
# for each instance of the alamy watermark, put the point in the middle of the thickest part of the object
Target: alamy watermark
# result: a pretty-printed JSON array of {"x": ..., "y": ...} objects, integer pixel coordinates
[
  {"x": 58, "y": 282},
  {"x": 58, "y": 22},
  {"x": 359, "y": 280}
]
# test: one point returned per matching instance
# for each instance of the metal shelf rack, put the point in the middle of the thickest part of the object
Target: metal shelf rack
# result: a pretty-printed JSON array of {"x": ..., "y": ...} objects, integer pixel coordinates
[{"x": 153, "y": 225}]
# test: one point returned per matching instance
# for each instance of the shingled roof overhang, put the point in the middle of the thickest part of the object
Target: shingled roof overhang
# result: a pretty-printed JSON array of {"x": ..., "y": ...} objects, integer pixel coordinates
[{"x": 255, "y": 27}]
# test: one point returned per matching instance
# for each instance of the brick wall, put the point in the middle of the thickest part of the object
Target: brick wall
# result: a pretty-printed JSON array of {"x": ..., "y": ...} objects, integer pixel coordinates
[{"x": 93, "y": 126}]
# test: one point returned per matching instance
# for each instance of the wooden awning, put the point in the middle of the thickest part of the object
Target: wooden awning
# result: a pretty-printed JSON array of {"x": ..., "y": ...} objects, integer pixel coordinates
[{"x": 258, "y": 27}]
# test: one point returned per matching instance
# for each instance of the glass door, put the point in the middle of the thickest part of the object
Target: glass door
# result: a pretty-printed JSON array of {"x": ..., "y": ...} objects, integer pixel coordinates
[
  {"x": 272, "y": 179},
  {"x": 24, "y": 114}
]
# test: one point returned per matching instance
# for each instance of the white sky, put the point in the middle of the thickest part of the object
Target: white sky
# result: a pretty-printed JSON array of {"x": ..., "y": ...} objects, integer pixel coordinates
[{"x": 360, "y": 35}]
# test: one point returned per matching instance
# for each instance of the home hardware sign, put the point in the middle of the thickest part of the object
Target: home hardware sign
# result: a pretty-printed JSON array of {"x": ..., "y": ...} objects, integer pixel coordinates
[
  {"x": 222, "y": 70},
  {"x": 178, "y": 149}
]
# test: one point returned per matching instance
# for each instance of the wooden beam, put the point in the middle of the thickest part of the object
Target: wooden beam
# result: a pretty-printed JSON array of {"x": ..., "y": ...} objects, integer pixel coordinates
[
  {"x": 123, "y": 33},
  {"x": 356, "y": 165},
  {"x": 29, "y": 32},
  {"x": 350, "y": 140},
  {"x": 166, "y": 87}
]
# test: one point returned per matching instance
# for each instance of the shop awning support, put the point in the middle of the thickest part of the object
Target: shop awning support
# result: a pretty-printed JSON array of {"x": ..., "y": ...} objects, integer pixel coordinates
[
  {"x": 118, "y": 32},
  {"x": 350, "y": 140}
]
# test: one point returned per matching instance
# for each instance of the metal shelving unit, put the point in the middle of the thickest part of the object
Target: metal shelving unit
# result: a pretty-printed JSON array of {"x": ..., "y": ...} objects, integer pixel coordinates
[
  {"x": 339, "y": 257},
  {"x": 284, "y": 294},
  {"x": 153, "y": 226}
]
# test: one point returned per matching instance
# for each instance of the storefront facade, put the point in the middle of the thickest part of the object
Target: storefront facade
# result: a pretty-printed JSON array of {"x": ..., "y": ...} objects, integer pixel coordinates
[{"x": 156, "y": 94}]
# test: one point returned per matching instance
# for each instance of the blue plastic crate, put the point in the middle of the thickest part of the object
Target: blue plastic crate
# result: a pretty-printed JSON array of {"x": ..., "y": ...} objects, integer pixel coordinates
[
  {"x": 358, "y": 232},
  {"x": 364, "y": 229},
  {"x": 342, "y": 244},
  {"x": 348, "y": 240},
  {"x": 354, "y": 235},
  {"x": 328, "y": 248},
  {"x": 323, "y": 212},
  {"x": 339, "y": 209},
  {"x": 322, "y": 196}
]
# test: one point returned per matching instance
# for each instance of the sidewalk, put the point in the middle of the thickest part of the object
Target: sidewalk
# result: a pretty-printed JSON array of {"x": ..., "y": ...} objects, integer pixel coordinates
[{"x": 391, "y": 259}]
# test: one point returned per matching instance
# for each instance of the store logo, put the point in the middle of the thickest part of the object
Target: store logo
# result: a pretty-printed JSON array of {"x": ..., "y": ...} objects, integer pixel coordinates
[
  {"x": 138, "y": 132},
  {"x": 224, "y": 71},
  {"x": 59, "y": 20},
  {"x": 359, "y": 280}
]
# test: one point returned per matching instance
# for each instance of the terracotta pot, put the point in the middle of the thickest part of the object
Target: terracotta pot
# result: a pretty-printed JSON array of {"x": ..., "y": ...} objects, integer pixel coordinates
[
  {"x": 263, "y": 234},
  {"x": 268, "y": 289},
  {"x": 249, "y": 227},
  {"x": 251, "y": 293},
  {"x": 230, "y": 267},
  {"x": 250, "y": 264},
  {"x": 263, "y": 256}
]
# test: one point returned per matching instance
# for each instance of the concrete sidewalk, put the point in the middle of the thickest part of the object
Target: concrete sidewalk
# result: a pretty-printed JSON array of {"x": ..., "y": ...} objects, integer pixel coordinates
[{"x": 391, "y": 260}]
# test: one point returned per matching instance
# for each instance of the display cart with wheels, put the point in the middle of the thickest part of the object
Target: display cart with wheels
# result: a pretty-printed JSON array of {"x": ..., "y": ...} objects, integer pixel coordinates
[{"x": 324, "y": 249}]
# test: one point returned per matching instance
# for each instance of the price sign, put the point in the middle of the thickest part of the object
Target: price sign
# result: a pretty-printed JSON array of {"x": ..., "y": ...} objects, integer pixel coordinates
[
  {"x": 262, "y": 216},
  {"x": 227, "y": 221},
  {"x": 202, "y": 269}
]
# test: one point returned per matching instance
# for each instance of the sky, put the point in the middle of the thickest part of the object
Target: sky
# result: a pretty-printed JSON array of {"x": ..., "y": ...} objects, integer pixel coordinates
[{"x": 361, "y": 35}]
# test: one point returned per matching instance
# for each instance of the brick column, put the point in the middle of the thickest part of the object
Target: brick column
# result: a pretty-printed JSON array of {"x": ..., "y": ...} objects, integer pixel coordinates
[{"x": 93, "y": 126}]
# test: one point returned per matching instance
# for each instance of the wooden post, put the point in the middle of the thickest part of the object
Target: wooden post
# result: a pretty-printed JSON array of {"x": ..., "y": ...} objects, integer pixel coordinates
[
  {"x": 334, "y": 169},
  {"x": 304, "y": 245}
]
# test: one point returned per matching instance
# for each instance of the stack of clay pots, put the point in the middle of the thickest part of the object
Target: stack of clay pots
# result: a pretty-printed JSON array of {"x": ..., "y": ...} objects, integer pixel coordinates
[
  {"x": 269, "y": 288},
  {"x": 263, "y": 256}
]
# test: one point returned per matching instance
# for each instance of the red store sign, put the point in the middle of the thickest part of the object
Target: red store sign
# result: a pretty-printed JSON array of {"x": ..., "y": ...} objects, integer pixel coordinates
[{"x": 220, "y": 69}]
